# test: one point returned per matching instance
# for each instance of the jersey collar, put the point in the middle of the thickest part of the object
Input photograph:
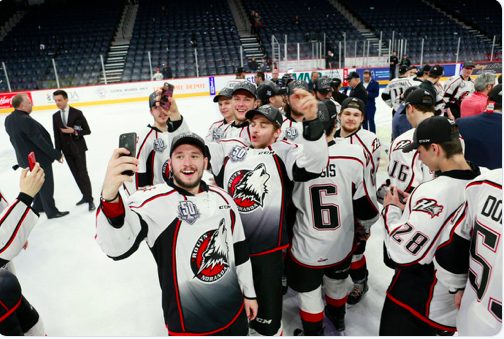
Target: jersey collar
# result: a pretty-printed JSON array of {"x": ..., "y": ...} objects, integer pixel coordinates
[
  {"x": 154, "y": 128},
  {"x": 338, "y": 133},
  {"x": 463, "y": 174},
  {"x": 244, "y": 124},
  {"x": 203, "y": 187}
]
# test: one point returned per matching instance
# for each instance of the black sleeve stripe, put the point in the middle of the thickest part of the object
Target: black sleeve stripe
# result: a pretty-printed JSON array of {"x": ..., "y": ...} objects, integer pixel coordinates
[
  {"x": 241, "y": 252},
  {"x": 140, "y": 237},
  {"x": 453, "y": 256},
  {"x": 364, "y": 209},
  {"x": 153, "y": 198},
  {"x": 15, "y": 231}
]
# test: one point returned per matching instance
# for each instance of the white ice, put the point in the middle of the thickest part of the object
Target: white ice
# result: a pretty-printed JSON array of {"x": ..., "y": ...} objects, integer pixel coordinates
[{"x": 79, "y": 291}]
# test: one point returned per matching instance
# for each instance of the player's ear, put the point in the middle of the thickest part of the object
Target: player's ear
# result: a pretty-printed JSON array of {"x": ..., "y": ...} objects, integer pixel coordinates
[
  {"x": 205, "y": 164},
  {"x": 255, "y": 104}
]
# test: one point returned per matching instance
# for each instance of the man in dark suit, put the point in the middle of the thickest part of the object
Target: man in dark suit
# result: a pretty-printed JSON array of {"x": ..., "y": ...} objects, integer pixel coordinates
[
  {"x": 373, "y": 89},
  {"x": 358, "y": 90},
  {"x": 27, "y": 135},
  {"x": 70, "y": 140}
]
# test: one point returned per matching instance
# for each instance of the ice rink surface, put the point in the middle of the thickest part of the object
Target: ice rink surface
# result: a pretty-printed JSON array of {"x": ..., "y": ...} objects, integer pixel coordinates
[{"x": 79, "y": 291}]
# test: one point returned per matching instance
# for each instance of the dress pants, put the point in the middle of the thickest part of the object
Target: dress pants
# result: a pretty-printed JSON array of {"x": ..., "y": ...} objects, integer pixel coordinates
[
  {"x": 77, "y": 164},
  {"x": 43, "y": 200}
]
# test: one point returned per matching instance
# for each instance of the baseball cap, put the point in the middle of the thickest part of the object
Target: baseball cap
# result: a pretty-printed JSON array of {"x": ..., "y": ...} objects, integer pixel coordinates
[
  {"x": 269, "y": 89},
  {"x": 424, "y": 69},
  {"x": 468, "y": 64},
  {"x": 436, "y": 129},
  {"x": 153, "y": 99},
  {"x": 297, "y": 84},
  {"x": 403, "y": 69},
  {"x": 353, "y": 103},
  {"x": 245, "y": 86},
  {"x": 322, "y": 85},
  {"x": 419, "y": 96},
  {"x": 188, "y": 138},
  {"x": 327, "y": 113},
  {"x": 335, "y": 82},
  {"x": 437, "y": 70},
  {"x": 353, "y": 75},
  {"x": 239, "y": 70},
  {"x": 226, "y": 92},
  {"x": 271, "y": 113},
  {"x": 495, "y": 94}
]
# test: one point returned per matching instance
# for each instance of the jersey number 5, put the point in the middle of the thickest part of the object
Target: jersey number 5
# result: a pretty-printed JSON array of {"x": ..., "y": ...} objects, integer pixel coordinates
[{"x": 326, "y": 216}]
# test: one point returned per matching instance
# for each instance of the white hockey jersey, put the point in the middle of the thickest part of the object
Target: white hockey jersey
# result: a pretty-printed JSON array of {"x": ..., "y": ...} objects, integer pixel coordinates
[
  {"x": 395, "y": 88},
  {"x": 199, "y": 246},
  {"x": 412, "y": 238},
  {"x": 371, "y": 145},
  {"x": 291, "y": 129},
  {"x": 476, "y": 232},
  {"x": 217, "y": 130},
  {"x": 455, "y": 90},
  {"x": 17, "y": 220},
  {"x": 241, "y": 131},
  {"x": 260, "y": 182},
  {"x": 153, "y": 153},
  {"x": 327, "y": 206}
]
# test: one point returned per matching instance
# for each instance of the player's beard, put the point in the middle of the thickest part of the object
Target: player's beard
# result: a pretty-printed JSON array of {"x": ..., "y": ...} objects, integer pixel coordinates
[
  {"x": 178, "y": 178},
  {"x": 350, "y": 131}
]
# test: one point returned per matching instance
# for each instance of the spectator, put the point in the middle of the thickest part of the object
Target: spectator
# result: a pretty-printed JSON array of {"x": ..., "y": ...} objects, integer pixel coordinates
[
  {"x": 337, "y": 96},
  {"x": 405, "y": 61},
  {"x": 158, "y": 75},
  {"x": 274, "y": 76},
  {"x": 252, "y": 22},
  {"x": 264, "y": 65},
  {"x": 27, "y": 135},
  {"x": 259, "y": 78},
  {"x": 240, "y": 73},
  {"x": 314, "y": 76},
  {"x": 271, "y": 94},
  {"x": 296, "y": 20},
  {"x": 393, "y": 60},
  {"x": 257, "y": 23},
  {"x": 476, "y": 102},
  {"x": 167, "y": 72},
  {"x": 329, "y": 59},
  {"x": 373, "y": 89},
  {"x": 413, "y": 71},
  {"x": 253, "y": 65},
  {"x": 482, "y": 133},
  {"x": 358, "y": 90},
  {"x": 322, "y": 88}
]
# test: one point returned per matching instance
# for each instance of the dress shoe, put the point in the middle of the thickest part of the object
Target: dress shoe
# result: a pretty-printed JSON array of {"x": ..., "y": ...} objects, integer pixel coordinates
[
  {"x": 92, "y": 207},
  {"x": 58, "y": 215},
  {"x": 82, "y": 201}
]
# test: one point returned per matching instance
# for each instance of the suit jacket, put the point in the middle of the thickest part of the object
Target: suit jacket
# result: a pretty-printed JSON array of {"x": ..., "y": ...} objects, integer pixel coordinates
[
  {"x": 360, "y": 92},
  {"x": 28, "y": 135},
  {"x": 373, "y": 89},
  {"x": 70, "y": 143}
]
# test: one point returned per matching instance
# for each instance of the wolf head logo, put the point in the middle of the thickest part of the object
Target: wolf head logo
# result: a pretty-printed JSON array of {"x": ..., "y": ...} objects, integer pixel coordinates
[
  {"x": 250, "y": 188},
  {"x": 428, "y": 206},
  {"x": 216, "y": 252}
]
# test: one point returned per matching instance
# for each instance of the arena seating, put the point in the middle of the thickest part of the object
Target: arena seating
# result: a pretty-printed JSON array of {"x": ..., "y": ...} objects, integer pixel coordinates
[
  {"x": 75, "y": 42},
  {"x": 416, "y": 20},
  {"x": 167, "y": 35}
]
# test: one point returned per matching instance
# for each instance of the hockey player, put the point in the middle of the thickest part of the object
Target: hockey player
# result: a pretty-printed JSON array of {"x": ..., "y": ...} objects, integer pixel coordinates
[
  {"x": 244, "y": 99},
  {"x": 324, "y": 231},
  {"x": 456, "y": 89},
  {"x": 153, "y": 144},
  {"x": 195, "y": 234},
  {"x": 270, "y": 93},
  {"x": 396, "y": 87},
  {"x": 417, "y": 303},
  {"x": 17, "y": 220},
  {"x": 422, "y": 74},
  {"x": 292, "y": 125},
  {"x": 475, "y": 232},
  {"x": 260, "y": 180},
  {"x": 432, "y": 85},
  {"x": 352, "y": 117},
  {"x": 218, "y": 129}
]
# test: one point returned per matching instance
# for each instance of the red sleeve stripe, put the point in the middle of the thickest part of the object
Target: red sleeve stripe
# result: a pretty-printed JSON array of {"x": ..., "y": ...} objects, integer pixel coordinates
[
  {"x": 6, "y": 315},
  {"x": 366, "y": 149},
  {"x": 289, "y": 143},
  {"x": 8, "y": 212},
  {"x": 233, "y": 140},
  {"x": 459, "y": 221},
  {"x": 349, "y": 158},
  {"x": 143, "y": 143},
  {"x": 219, "y": 192},
  {"x": 283, "y": 197},
  {"x": 485, "y": 182},
  {"x": 153, "y": 198},
  {"x": 431, "y": 294},
  {"x": 18, "y": 226},
  {"x": 412, "y": 170},
  {"x": 269, "y": 251}
]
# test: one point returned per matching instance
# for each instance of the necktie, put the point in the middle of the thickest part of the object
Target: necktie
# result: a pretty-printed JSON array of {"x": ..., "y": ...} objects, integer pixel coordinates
[{"x": 63, "y": 118}]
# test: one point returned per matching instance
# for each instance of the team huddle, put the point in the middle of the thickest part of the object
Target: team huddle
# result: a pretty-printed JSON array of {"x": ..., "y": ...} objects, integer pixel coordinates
[{"x": 291, "y": 203}]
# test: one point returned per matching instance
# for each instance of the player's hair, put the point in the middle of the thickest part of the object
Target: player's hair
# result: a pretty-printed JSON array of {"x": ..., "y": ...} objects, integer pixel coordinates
[
  {"x": 499, "y": 79},
  {"x": 413, "y": 67},
  {"x": 367, "y": 71},
  {"x": 451, "y": 147},
  {"x": 61, "y": 92},
  {"x": 17, "y": 100},
  {"x": 425, "y": 108},
  {"x": 434, "y": 76},
  {"x": 483, "y": 80},
  {"x": 261, "y": 103}
]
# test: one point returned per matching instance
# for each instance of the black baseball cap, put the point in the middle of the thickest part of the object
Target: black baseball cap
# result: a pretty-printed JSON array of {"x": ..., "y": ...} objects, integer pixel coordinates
[
  {"x": 419, "y": 96},
  {"x": 353, "y": 103},
  {"x": 245, "y": 86},
  {"x": 271, "y": 113},
  {"x": 188, "y": 138},
  {"x": 353, "y": 75},
  {"x": 468, "y": 64},
  {"x": 424, "y": 69},
  {"x": 226, "y": 92},
  {"x": 269, "y": 89},
  {"x": 322, "y": 85},
  {"x": 436, "y": 129},
  {"x": 327, "y": 113},
  {"x": 437, "y": 70},
  {"x": 335, "y": 82},
  {"x": 297, "y": 84},
  {"x": 239, "y": 70},
  {"x": 403, "y": 69},
  {"x": 495, "y": 94},
  {"x": 153, "y": 98}
]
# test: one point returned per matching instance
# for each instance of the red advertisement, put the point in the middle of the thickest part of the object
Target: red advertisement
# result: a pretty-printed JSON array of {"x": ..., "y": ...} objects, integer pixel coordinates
[
  {"x": 6, "y": 98},
  {"x": 345, "y": 74}
]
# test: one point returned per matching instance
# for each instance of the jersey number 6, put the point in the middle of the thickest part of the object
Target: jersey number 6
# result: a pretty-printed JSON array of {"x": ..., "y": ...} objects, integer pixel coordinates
[{"x": 326, "y": 216}]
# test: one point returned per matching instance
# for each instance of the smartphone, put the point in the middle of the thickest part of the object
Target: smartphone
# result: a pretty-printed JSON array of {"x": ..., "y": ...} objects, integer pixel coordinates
[
  {"x": 401, "y": 197},
  {"x": 32, "y": 160},
  {"x": 167, "y": 93},
  {"x": 128, "y": 141}
]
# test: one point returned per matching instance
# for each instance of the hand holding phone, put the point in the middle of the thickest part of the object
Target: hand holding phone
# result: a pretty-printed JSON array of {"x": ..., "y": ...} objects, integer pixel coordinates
[
  {"x": 128, "y": 141},
  {"x": 399, "y": 195},
  {"x": 32, "y": 160},
  {"x": 167, "y": 92}
]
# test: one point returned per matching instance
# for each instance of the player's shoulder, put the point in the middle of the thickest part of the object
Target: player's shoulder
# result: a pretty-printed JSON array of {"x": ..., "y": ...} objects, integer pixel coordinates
[
  {"x": 233, "y": 142},
  {"x": 145, "y": 195},
  {"x": 491, "y": 179},
  {"x": 403, "y": 140},
  {"x": 216, "y": 124},
  {"x": 369, "y": 138},
  {"x": 146, "y": 132},
  {"x": 347, "y": 152},
  {"x": 219, "y": 192},
  {"x": 282, "y": 145}
]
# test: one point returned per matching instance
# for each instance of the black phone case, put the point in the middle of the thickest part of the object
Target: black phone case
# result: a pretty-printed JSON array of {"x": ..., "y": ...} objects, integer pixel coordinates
[{"x": 128, "y": 141}]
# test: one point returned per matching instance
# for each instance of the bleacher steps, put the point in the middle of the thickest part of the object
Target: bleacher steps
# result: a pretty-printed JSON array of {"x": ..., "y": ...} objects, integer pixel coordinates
[{"x": 11, "y": 23}]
